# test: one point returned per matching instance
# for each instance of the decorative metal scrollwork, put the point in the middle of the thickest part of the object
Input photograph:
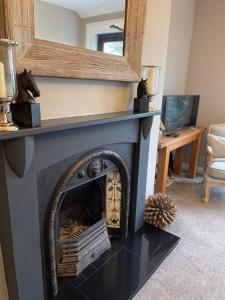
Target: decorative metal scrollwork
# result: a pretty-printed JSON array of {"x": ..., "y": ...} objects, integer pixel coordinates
[
  {"x": 95, "y": 168},
  {"x": 81, "y": 174}
]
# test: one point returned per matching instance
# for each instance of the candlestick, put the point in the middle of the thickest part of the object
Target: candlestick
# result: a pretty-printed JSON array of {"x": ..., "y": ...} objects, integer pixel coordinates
[
  {"x": 147, "y": 88},
  {"x": 2, "y": 81},
  {"x": 7, "y": 83},
  {"x": 151, "y": 81}
]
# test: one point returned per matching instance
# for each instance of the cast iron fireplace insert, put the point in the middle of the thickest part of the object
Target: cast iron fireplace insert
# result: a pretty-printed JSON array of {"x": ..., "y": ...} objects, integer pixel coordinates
[{"x": 80, "y": 181}]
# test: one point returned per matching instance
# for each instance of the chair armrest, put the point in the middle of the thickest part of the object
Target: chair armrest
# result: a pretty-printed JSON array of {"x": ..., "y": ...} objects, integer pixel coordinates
[
  {"x": 209, "y": 155},
  {"x": 209, "y": 158}
]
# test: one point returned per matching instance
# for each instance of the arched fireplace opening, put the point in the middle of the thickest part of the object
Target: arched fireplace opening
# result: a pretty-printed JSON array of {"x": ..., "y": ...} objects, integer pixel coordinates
[
  {"x": 76, "y": 222},
  {"x": 81, "y": 208}
]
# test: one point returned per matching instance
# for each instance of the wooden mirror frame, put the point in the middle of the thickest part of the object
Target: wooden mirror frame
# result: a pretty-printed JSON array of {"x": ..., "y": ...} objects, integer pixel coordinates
[{"x": 47, "y": 58}]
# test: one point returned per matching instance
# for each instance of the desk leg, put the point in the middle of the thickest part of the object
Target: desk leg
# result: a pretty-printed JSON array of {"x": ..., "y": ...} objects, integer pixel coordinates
[
  {"x": 194, "y": 157},
  {"x": 178, "y": 161},
  {"x": 162, "y": 172}
]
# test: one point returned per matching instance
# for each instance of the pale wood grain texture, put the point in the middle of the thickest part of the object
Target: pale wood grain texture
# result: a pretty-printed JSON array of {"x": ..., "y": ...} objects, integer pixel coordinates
[
  {"x": 185, "y": 135},
  {"x": 162, "y": 171},
  {"x": 194, "y": 155},
  {"x": 52, "y": 59},
  {"x": 178, "y": 161},
  {"x": 2, "y": 25},
  {"x": 167, "y": 144}
]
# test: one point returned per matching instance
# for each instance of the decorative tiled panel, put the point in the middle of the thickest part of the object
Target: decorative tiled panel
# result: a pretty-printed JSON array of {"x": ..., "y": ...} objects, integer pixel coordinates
[{"x": 113, "y": 199}]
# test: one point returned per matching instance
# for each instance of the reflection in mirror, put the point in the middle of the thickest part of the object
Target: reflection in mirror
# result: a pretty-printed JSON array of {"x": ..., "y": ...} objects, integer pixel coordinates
[{"x": 91, "y": 24}]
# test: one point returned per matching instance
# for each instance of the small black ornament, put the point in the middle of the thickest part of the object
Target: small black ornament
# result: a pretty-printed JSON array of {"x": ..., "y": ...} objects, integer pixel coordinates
[
  {"x": 141, "y": 103},
  {"x": 26, "y": 114},
  {"x": 27, "y": 88},
  {"x": 25, "y": 109},
  {"x": 142, "y": 89}
]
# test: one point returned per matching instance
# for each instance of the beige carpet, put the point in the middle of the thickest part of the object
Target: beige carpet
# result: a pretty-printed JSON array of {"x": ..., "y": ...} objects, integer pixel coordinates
[{"x": 196, "y": 268}]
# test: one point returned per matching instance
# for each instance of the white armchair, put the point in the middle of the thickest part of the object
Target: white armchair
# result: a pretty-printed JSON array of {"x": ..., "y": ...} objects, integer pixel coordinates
[{"x": 214, "y": 175}]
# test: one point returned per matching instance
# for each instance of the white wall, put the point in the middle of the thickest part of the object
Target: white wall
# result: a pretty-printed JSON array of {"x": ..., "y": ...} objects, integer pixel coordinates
[
  {"x": 57, "y": 24},
  {"x": 72, "y": 97},
  {"x": 179, "y": 46},
  {"x": 100, "y": 24},
  {"x": 93, "y": 29},
  {"x": 69, "y": 97},
  {"x": 155, "y": 53},
  {"x": 206, "y": 74}
]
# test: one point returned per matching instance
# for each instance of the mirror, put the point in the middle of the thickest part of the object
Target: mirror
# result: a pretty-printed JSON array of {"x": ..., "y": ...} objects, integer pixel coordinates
[
  {"x": 24, "y": 22},
  {"x": 92, "y": 24}
]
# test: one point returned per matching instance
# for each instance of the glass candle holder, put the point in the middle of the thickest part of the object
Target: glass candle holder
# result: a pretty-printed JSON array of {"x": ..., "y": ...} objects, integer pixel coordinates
[
  {"x": 8, "y": 88},
  {"x": 152, "y": 74}
]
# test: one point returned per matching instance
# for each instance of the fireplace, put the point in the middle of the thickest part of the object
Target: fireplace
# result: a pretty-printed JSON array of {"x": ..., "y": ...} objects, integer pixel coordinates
[
  {"x": 82, "y": 232},
  {"x": 80, "y": 210},
  {"x": 69, "y": 189}
]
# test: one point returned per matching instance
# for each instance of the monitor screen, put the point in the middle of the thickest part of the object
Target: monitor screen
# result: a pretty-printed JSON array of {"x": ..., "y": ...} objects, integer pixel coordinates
[{"x": 179, "y": 111}]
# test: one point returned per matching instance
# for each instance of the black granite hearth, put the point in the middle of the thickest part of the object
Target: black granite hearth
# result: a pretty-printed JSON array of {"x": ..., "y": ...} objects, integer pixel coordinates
[{"x": 121, "y": 271}]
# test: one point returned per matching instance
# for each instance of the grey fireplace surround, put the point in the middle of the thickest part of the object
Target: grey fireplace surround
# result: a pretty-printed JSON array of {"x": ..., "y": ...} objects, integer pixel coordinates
[{"x": 32, "y": 161}]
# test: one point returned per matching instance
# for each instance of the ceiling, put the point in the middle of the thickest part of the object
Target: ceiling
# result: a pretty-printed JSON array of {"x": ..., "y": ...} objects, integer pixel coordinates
[{"x": 89, "y": 8}]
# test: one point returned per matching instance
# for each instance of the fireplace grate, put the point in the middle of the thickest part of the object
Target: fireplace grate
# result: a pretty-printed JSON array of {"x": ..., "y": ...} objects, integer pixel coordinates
[
  {"x": 65, "y": 235},
  {"x": 78, "y": 250}
]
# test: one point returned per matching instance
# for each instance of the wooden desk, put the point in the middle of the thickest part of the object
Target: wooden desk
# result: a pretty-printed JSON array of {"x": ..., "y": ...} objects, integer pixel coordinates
[{"x": 166, "y": 144}]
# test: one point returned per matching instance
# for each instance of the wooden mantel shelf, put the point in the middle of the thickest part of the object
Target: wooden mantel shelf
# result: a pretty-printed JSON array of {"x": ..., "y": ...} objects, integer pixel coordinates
[{"x": 52, "y": 125}]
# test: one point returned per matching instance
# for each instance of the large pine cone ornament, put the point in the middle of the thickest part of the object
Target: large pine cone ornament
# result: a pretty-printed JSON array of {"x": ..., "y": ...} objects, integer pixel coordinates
[{"x": 160, "y": 210}]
